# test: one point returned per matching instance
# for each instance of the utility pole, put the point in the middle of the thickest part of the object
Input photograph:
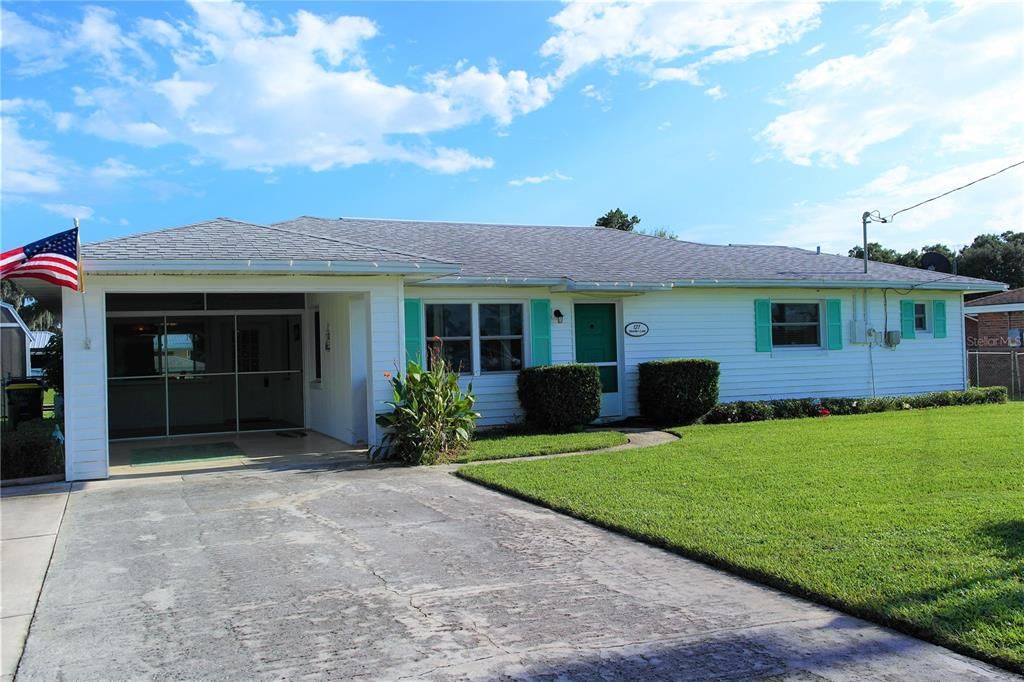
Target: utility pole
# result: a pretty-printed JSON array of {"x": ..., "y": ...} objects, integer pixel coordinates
[{"x": 864, "y": 219}]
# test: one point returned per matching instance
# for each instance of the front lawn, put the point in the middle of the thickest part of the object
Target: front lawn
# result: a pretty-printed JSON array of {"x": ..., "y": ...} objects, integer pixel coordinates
[
  {"x": 500, "y": 446},
  {"x": 913, "y": 519}
]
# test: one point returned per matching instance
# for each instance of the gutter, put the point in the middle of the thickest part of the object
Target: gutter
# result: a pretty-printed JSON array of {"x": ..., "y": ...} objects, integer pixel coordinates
[
  {"x": 252, "y": 266},
  {"x": 564, "y": 284}
]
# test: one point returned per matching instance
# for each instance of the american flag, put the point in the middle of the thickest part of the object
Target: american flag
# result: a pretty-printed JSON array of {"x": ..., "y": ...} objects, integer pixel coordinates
[{"x": 54, "y": 260}]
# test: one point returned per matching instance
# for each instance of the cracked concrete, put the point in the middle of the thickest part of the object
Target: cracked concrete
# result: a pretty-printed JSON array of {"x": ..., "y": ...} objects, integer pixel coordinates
[{"x": 411, "y": 573}]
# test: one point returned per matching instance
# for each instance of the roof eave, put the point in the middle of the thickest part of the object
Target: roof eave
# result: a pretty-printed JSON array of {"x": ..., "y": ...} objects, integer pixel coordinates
[
  {"x": 259, "y": 266},
  {"x": 994, "y": 308}
]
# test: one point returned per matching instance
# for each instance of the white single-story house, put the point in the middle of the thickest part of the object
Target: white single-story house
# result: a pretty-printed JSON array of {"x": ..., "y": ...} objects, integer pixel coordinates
[{"x": 226, "y": 326}]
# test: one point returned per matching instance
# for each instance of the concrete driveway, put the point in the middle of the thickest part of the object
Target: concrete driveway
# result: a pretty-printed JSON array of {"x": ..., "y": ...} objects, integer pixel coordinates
[{"x": 397, "y": 573}]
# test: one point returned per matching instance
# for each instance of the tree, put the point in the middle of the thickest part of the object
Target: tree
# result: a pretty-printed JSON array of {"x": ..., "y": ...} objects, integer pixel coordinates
[
  {"x": 660, "y": 233},
  {"x": 877, "y": 253},
  {"x": 998, "y": 257},
  {"x": 29, "y": 310},
  {"x": 617, "y": 220}
]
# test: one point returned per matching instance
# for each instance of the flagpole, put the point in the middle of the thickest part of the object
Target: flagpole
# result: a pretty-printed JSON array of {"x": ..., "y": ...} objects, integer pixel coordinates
[
  {"x": 81, "y": 285},
  {"x": 78, "y": 257}
]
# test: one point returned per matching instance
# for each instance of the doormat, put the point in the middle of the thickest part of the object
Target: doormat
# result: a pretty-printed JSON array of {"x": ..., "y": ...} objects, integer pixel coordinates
[
  {"x": 290, "y": 434},
  {"x": 185, "y": 452}
]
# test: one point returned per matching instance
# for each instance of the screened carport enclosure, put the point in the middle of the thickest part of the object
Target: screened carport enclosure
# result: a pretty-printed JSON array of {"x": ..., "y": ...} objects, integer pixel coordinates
[{"x": 193, "y": 363}]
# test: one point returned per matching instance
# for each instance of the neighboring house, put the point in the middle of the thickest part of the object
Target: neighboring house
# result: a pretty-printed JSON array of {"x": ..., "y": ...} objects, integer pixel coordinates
[
  {"x": 224, "y": 326},
  {"x": 15, "y": 360},
  {"x": 996, "y": 321},
  {"x": 994, "y": 330},
  {"x": 37, "y": 342}
]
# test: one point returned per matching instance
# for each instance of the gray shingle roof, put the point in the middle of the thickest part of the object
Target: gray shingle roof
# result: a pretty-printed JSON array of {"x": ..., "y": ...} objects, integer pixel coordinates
[
  {"x": 1003, "y": 298},
  {"x": 580, "y": 255},
  {"x": 226, "y": 239}
]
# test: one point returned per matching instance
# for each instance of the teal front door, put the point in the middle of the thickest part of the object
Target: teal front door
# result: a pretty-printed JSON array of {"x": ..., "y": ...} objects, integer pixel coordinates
[{"x": 597, "y": 343}]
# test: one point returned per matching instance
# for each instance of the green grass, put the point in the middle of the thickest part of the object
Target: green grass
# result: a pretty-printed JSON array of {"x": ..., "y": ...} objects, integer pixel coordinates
[
  {"x": 913, "y": 519},
  {"x": 502, "y": 446}
]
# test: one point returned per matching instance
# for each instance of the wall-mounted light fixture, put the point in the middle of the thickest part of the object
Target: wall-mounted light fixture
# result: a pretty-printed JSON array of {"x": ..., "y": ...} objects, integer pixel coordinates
[{"x": 559, "y": 317}]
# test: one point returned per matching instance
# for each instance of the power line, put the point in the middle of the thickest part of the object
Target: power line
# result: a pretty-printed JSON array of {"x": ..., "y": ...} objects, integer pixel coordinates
[{"x": 955, "y": 189}]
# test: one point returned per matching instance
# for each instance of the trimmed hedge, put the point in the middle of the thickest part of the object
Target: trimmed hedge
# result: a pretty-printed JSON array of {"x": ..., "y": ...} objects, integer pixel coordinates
[
  {"x": 677, "y": 391},
  {"x": 30, "y": 450},
  {"x": 558, "y": 397},
  {"x": 762, "y": 410}
]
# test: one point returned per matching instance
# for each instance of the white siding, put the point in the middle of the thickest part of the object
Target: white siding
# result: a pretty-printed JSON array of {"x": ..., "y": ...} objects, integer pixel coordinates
[
  {"x": 337, "y": 402},
  {"x": 85, "y": 383},
  {"x": 496, "y": 398},
  {"x": 719, "y": 324}
]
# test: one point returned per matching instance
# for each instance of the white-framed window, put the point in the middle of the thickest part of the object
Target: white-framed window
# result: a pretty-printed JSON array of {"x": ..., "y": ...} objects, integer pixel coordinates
[
  {"x": 477, "y": 338},
  {"x": 500, "y": 327},
  {"x": 796, "y": 324},
  {"x": 921, "y": 317},
  {"x": 451, "y": 324}
]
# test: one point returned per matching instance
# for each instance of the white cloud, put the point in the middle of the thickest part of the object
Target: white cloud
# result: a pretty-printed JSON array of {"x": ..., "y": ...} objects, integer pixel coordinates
[
  {"x": 845, "y": 105},
  {"x": 250, "y": 91},
  {"x": 115, "y": 169},
  {"x": 160, "y": 32},
  {"x": 650, "y": 37},
  {"x": 991, "y": 206},
  {"x": 810, "y": 52},
  {"x": 593, "y": 92},
  {"x": 715, "y": 92},
  {"x": 664, "y": 125},
  {"x": 70, "y": 210},
  {"x": 63, "y": 120},
  {"x": 538, "y": 179},
  {"x": 28, "y": 166}
]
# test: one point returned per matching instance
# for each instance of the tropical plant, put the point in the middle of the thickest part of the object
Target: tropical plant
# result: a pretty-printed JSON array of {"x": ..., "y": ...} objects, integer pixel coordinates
[{"x": 432, "y": 419}]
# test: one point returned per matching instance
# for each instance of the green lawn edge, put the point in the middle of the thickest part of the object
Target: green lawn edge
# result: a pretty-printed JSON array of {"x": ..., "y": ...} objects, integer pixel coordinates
[
  {"x": 538, "y": 445},
  {"x": 472, "y": 475}
]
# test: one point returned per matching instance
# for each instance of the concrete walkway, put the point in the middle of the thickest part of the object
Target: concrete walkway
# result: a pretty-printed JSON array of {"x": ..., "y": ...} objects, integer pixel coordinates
[
  {"x": 29, "y": 520},
  {"x": 412, "y": 573}
]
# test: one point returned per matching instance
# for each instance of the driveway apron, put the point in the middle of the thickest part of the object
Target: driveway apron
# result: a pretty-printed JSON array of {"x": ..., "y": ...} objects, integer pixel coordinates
[{"x": 412, "y": 573}]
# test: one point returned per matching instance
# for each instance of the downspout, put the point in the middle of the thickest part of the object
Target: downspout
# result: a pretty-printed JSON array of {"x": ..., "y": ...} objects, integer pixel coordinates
[{"x": 871, "y": 342}]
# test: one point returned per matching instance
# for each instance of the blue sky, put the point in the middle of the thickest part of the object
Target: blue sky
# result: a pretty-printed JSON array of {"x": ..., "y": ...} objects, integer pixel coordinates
[{"x": 721, "y": 122}]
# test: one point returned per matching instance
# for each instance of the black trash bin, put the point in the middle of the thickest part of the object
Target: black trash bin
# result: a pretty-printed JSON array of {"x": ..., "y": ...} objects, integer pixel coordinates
[{"x": 24, "y": 399}]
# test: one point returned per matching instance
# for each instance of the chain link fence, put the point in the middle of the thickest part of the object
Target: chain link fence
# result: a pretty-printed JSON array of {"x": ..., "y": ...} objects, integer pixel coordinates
[{"x": 997, "y": 368}]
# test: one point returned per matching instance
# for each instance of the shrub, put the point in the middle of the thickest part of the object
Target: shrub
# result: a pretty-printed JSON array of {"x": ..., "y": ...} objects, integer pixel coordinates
[
  {"x": 795, "y": 408},
  {"x": 739, "y": 411},
  {"x": 30, "y": 450},
  {"x": 840, "y": 406},
  {"x": 749, "y": 411},
  {"x": 677, "y": 391},
  {"x": 432, "y": 419},
  {"x": 559, "y": 397}
]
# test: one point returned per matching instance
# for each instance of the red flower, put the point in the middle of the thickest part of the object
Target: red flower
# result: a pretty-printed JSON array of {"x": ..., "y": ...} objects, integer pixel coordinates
[
  {"x": 823, "y": 412},
  {"x": 387, "y": 375}
]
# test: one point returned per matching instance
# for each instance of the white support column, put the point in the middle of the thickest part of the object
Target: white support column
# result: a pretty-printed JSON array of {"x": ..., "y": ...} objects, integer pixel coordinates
[{"x": 85, "y": 385}]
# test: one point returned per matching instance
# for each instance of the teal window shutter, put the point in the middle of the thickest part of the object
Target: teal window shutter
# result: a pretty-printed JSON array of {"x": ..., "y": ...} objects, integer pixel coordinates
[
  {"x": 763, "y": 325},
  {"x": 540, "y": 331},
  {"x": 834, "y": 320},
  {"x": 413, "y": 330},
  {"x": 907, "y": 319},
  {"x": 939, "y": 319}
]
